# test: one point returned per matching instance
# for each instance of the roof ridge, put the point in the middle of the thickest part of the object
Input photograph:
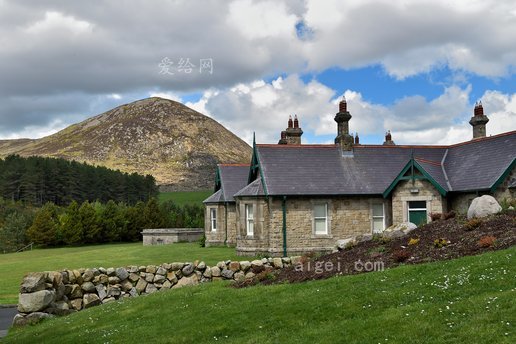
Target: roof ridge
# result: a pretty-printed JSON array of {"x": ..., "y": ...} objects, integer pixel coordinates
[{"x": 315, "y": 145}]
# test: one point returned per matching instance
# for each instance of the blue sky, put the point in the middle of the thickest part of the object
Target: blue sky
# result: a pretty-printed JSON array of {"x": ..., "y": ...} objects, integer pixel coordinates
[{"x": 413, "y": 67}]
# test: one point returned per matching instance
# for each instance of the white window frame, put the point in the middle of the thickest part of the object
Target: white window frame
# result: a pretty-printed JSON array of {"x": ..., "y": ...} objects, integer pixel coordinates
[
  {"x": 249, "y": 219},
  {"x": 373, "y": 217},
  {"x": 326, "y": 231},
  {"x": 213, "y": 219}
]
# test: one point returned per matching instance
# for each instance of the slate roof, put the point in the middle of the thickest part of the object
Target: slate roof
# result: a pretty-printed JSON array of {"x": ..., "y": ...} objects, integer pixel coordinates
[
  {"x": 255, "y": 188},
  {"x": 322, "y": 170},
  {"x": 233, "y": 177}
]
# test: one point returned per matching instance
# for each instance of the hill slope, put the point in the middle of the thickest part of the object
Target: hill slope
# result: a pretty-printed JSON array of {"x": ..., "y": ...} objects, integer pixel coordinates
[{"x": 177, "y": 145}]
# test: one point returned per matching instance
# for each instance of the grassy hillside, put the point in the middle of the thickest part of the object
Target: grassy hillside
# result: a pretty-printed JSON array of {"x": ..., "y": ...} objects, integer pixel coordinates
[
  {"x": 468, "y": 300},
  {"x": 185, "y": 197},
  {"x": 14, "y": 266}
]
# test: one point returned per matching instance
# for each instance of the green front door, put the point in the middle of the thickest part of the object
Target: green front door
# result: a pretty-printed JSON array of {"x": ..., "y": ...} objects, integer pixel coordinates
[{"x": 417, "y": 212}]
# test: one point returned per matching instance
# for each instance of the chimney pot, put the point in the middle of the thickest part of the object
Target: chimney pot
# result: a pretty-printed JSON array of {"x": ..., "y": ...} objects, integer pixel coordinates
[
  {"x": 296, "y": 122},
  {"x": 290, "y": 123},
  {"x": 343, "y": 105},
  {"x": 357, "y": 139}
]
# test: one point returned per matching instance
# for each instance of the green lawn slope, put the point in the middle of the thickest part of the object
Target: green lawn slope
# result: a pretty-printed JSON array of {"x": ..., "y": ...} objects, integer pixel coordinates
[{"x": 467, "y": 300}]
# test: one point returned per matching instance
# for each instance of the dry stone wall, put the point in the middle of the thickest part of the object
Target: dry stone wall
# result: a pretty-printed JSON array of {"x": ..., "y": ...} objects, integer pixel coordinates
[{"x": 51, "y": 293}]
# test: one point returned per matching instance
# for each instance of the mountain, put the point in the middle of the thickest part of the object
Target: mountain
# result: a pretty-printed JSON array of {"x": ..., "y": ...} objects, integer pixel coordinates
[{"x": 179, "y": 146}]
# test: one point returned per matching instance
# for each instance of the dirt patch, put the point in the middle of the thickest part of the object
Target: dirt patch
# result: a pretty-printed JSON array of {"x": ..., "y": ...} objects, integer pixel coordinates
[{"x": 439, "y": 240}]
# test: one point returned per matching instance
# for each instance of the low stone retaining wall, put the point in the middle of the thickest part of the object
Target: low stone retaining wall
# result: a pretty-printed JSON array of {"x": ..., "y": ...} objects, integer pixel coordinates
[
  {"x": 166, "y": 236},
  {"x": 46, "y": 294}
]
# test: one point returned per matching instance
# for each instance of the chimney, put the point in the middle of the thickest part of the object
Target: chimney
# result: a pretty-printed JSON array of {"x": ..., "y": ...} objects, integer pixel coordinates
[
  {"x": 388, "y": 139},
  {"x": 357, "y": 139},
  {"x": 283, "y": 140},
  {"x": 342, "y": 118},
  {"x": 479, "y": 121},
  {"x": 293, "y": 132}
]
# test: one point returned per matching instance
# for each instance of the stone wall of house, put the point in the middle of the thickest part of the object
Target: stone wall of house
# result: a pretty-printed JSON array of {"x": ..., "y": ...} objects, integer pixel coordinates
[
  {"x": 461, "y": 202},
  {"x": 46, "y": 294},
  {"x": 503, "y": 192},
  {"x": 401, "y": 194},
  {"x": 347, "y": 217},
  {"x": 215, "y": 238},
  {"x": 259, "y": 241},
  {"x": 226, "y": 216}
]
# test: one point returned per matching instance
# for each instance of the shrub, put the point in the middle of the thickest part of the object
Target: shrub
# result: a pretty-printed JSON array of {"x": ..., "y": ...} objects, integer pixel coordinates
[
  {"x": 449, "y": 215},
  {"x": 436, "y": 216},
  {"x": 472, "y": 224},
  {"x": 202, "y": 241},
  {"x": 441, "y": 242},
  {"x": 376, "y": 250},
  {"x": 487, "y": 241},
  {"x": 400, "y": 256},
  {"x": 413, "y": 241},
  {"x": 380, "y": 239}
]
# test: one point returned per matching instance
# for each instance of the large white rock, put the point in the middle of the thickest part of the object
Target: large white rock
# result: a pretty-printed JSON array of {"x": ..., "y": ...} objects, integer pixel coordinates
[
  {"x": 36, "y": 301},
  {"x": 483, "y": 206},
  {"x": 399, "y": 230}
]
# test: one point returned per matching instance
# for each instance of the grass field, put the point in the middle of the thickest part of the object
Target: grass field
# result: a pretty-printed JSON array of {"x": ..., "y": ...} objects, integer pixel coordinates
[
  {"x": 187, "y": 197},
  {"x": 14, "y": 266},
  {"x": 468, "y": 300}
]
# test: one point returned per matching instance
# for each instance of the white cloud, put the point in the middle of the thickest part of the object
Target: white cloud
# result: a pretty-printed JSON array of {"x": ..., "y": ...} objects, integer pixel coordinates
[
  {"x": 166, "y": 95},
  {"x": 56, "y": 21}
]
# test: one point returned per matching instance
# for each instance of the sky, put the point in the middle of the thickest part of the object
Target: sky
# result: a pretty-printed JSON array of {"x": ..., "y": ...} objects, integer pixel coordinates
[{"x": 416, "y": 68}]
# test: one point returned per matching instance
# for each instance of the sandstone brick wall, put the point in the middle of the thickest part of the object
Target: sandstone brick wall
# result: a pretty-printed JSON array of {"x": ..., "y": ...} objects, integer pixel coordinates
[
  {"x": 217, "y": 237},
  {"x": 347, "y": 217},
  {"x": 435, "y": 203},
  {"x": 503, "y": 191}
]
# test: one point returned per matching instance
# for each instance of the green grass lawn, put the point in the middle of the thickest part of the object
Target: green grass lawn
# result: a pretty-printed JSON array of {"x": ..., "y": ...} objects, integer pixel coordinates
[
  {"x": 186, "y": 197},
  {"x": 469, "y": 300},
  {"x": 14, "y": 266}
]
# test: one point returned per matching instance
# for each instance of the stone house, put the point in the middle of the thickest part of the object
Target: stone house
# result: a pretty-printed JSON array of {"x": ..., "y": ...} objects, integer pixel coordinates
[
  {"x": 220, "y": 215},
  {"x": 299, "y": 198}
]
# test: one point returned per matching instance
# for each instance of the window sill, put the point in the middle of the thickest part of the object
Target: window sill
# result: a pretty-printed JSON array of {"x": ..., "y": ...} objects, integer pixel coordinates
[{"x": 322, "y": 236}]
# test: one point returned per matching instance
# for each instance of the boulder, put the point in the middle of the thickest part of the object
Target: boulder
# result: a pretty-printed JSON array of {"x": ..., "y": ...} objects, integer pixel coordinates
[
  {"x": 257, "y": 262},
  {"x": 227, "y": 274},
  {"x": 76, "y": 304},
  {"x": 88, "y": 287},
  {"x": 171, "y": 276},
  {"x": 34, "y": 281},
  {"x": 126, "y": 285},
  {"x": 176, "y": 266},
  {"x": 215, "y": 271},
  {"x": 187, "y": 281},
  {"x": 161, "y": 271},
  {"x": 113, "y": 280},
  {"x": 166, "y": 285},
  {"x": 277, "y": 263},
  {"x": 133, "y": 277},
  {"x": 101, "y": 291},
  {"x": 483, "y": 206},
  {"x": 151, "y": 288},
  {"x": 90, "y": 300},
  {"x": 221, "y": 265},
  {"x": 207, "y": 272},
  {"x": 245, "y": 265},
  {"x": 343, "y": 243},
  {"x": 249, "y": 275},
  {"x": 296, "y": 260},
  {"x": 159, "y": 279},
  {"x": 113, "y": 291},
  {"x": 234, "y": 266},
  {"x": 88, "y": 275},
  {"x": 141, "y": 285},
  {"x": 187, "y": 269},
  {"x": 399, "y": 230},
  {"x": 239, "y": 276},
  {"x": 201, "y": 266},
  {"x": 151, "y": 269},
  {"x": 30, "y": 319},
  {"x": 133, "y": 292},
  {"x": 111, "y": 272},
  {"x": 75, "y": 291},
  {"x": 122, "y": 273},
  {"x": 36, "y": 301}
]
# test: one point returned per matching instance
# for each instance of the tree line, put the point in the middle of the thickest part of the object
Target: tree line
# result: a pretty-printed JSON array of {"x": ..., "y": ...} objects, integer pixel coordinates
[
  {"x": 37, "y": 180},
  {"x": 90, "y": 222}
]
